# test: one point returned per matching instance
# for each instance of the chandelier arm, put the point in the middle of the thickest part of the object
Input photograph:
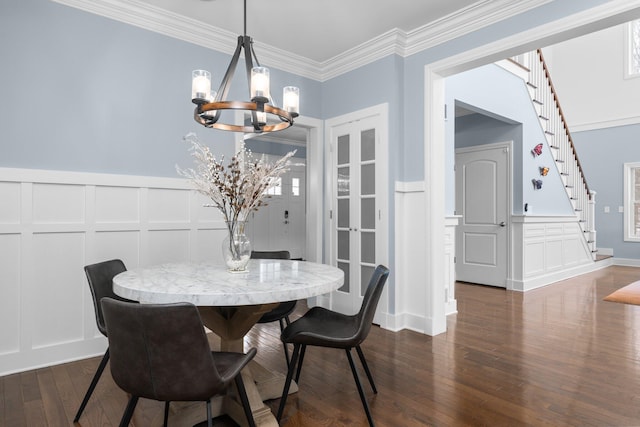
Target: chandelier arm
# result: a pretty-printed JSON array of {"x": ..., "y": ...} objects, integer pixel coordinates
[
  {"x": 231, "y": 69},
  {"x": 253, "y": 54}
]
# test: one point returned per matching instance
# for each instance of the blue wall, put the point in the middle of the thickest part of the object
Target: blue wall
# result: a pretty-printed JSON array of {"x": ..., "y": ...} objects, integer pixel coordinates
[
  {"x": 499, "y": 93},
  {"x": 80, "y": 92},
  {"x": 602, "y": 154}
]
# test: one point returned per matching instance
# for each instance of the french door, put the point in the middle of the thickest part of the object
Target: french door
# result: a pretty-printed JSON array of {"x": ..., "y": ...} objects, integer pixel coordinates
[{"x": 358, "y": 214}]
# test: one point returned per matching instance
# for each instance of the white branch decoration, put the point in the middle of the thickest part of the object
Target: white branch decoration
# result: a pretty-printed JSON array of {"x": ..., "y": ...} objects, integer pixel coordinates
[{"x": 238, "y": 188}]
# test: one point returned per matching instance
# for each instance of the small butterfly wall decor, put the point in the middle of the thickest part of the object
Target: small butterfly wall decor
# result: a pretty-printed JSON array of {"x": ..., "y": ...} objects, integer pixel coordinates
[
  {"x": 537, "y": 150},
  {"x": 537, "y": 184}
]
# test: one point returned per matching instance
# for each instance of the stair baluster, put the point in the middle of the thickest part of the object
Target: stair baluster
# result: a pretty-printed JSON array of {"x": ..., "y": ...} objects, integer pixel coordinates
[{"x": 556, "y": 131}]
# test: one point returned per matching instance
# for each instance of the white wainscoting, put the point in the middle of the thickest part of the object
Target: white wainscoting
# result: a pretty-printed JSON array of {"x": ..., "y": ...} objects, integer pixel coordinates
[
  {"x": 412, "y": 296},
  {"x": 53, "y": 223},
  {"x": 547, "y": 249},
  {"x": 451, "y": 305}
]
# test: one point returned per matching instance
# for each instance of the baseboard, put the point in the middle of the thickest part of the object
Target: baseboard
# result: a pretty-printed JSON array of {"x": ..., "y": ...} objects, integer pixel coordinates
[
  {"x": 412, "y": 322},
  {"x": 629, "y": 262},
  {"x": 538, "y": 282},
  {"x": 54, "y": 355},
  {"x": 451, "y": 307}
]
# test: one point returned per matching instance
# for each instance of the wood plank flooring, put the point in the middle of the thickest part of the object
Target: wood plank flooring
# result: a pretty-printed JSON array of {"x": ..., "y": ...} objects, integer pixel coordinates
[{"x": 555, "y": 356}]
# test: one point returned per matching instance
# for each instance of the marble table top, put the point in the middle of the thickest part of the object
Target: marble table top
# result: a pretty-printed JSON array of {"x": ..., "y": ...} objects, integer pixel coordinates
[{"x": 210, "y": 284}]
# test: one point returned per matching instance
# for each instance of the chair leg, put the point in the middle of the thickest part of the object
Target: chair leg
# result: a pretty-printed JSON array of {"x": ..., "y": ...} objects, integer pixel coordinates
[
  {"x": 166, "y": 413},
  {"x": 287, "y": 383},
  {"x": 93, "y": 384},
  {"x": 304, "y": 349},
  {"x": 286, "y": 348},
  {"x": 242, "y": 392},
  {"x": 128, "y": 413},
  {"x": 209, "y": 420},
  {"x": 359, "y": 385},
  {"x": 366, "y": 368}
]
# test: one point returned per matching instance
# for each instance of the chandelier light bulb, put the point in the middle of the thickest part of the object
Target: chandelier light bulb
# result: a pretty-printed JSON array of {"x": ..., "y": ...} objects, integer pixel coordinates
[
  {"x": 260, "y": 83},
  {"x": 200, "y": 84},
  {"x": 291, "y": 99}
]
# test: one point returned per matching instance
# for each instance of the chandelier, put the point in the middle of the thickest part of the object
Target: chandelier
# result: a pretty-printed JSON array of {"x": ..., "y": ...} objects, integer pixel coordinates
[{"x": 264, "y": 115}]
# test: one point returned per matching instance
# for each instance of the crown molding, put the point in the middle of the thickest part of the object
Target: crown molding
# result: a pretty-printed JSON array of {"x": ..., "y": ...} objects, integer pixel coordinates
[
  {"x": 465, "y": 21},
  {"x": 461, "y": 22}
]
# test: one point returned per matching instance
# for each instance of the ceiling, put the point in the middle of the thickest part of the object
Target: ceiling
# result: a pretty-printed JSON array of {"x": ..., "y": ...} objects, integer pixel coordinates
[{"x": 317, "y": 30}]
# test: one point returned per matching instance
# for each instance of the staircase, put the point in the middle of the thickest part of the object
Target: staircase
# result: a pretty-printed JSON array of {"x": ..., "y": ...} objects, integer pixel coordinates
[{"x": 554, "y": 125}]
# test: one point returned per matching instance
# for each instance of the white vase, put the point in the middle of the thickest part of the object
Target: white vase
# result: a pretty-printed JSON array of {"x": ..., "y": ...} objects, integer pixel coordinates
[{"x": 236, "y": 247}]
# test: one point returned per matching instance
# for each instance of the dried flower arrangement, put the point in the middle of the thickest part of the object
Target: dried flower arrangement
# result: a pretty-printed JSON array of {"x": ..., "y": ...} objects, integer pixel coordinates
[{"x": 240, "y": 187}]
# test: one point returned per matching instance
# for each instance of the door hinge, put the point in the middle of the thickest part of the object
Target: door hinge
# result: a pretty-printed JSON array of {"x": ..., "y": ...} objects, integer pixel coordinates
[
  {"x": 454, "y": 260},
  {"x": 330, "y": 214},
  {"x": 445, "y": 111}
]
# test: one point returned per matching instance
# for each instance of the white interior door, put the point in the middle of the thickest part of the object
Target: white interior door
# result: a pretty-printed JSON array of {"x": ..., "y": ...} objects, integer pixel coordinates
[
  {"x": 358, "y": 226},
  {"x": 482, "y": 194}
]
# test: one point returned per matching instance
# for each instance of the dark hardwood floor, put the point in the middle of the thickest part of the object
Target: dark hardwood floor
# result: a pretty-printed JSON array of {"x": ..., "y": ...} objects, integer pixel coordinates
[{"x": 555, "y": 356}]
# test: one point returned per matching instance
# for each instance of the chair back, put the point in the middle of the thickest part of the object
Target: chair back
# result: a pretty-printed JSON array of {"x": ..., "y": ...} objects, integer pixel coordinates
[
  {"x": 160, "y": 351},
  {"x": 270, "y": 255},
  {"x": 370, "y": 301},
  {"x": 100, "y": 277}
]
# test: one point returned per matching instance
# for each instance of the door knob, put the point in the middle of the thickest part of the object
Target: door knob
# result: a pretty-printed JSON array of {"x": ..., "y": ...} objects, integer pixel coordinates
[{"x": 502, "y": 224}]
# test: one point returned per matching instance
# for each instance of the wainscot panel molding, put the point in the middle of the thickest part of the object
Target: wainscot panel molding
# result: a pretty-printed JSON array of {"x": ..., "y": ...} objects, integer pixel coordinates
[
  {"x": 547, "y": 249},
  {"x": 410, "y": 248},
  {"x": 54, "y": 223},
  {"x": 450, "y": 224}
]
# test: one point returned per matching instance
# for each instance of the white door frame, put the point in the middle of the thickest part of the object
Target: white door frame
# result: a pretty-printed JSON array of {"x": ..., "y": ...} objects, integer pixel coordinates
[
  {"x": 314, "y": 182},
  {"x": 508, "y": 145},
  {"x": 597, "y": 18}
]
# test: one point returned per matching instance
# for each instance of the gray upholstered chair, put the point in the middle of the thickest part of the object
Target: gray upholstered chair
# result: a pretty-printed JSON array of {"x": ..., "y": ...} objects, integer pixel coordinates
[
  {"x": 100, "y": 279},
  {"x": 282, "y": 311},
  {"x": 161, "y": 352},
  {"x": 325, "y": 328}
]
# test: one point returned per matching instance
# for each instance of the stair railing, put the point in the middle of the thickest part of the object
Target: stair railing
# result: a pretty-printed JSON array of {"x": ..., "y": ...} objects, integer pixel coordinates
[{"x": 554, "y": 125}]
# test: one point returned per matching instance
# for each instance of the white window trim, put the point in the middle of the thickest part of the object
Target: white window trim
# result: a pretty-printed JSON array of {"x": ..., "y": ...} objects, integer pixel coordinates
[
  {"x": 628, "y": 202},
  {"x": 628, "y": 45}
]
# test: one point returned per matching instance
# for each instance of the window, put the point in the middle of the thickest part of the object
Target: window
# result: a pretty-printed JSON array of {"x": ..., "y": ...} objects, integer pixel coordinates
[
  {"x": 632, "y": 66},
  {"x": 632, "y": 202},
  {"x": 295, "y": 186}
]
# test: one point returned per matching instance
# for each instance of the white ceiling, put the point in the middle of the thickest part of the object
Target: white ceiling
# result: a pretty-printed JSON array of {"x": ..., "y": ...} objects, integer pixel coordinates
[{"x": 318, "y": 30}]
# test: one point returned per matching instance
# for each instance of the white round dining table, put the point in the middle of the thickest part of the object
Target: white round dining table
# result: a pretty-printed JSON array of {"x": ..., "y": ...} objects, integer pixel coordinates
[{"x": 230, "y": 304}]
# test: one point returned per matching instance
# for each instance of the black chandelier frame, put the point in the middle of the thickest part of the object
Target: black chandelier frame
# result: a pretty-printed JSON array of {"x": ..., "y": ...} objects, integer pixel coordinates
[{"x": 258, "y": 104}]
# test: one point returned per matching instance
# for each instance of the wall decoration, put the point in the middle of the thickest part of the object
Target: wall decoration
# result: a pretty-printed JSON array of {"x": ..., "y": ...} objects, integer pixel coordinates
[
  {"x": 537, "y": 184},
  {"x": 537, "y": 150},
  {"x": 544, "y": 170}
]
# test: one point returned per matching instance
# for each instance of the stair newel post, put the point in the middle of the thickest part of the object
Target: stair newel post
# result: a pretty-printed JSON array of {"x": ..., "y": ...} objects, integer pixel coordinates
[{"x": 592, "y": 224}]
